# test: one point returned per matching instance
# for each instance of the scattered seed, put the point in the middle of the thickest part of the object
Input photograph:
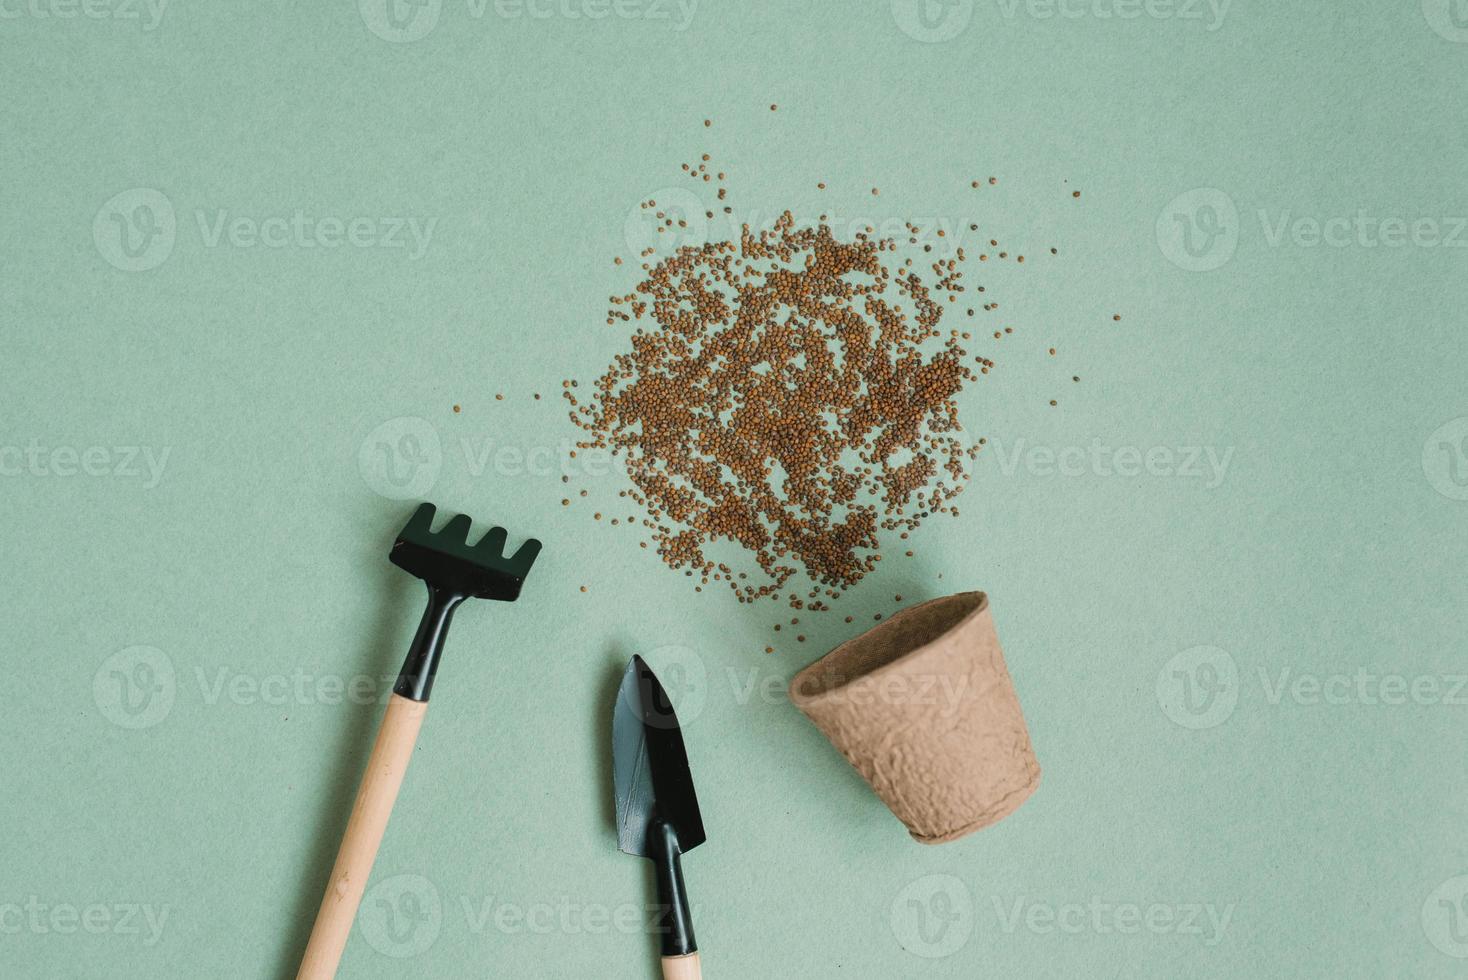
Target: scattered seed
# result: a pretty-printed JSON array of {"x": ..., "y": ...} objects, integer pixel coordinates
[{"x": 740, "y": 423}]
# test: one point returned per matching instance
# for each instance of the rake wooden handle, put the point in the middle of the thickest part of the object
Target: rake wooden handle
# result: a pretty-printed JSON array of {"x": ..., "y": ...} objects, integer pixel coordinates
[
  {"x": 375, "y": 797},
  {"x": 682, "y": 967}
]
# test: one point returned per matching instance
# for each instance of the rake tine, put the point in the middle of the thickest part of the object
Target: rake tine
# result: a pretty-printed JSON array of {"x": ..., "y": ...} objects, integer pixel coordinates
[
  {"x": 457, "y": 529},
  {"x": 493, "y": 543},
  {"x": 525, "y": 556},
  {"x": 421, "y": 523}
]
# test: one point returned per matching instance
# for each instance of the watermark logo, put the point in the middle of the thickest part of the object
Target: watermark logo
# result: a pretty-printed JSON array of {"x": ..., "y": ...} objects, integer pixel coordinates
[
  {"x": 1199, "y": 230},
  {"x": 301, "y": 230},
  {"x": 1209, "y": 12},
  {"x": 665, "y": 221},
  {"x": 564, "y": 916},
  {"x": 400, "y": 21},
  {"x": 1363, "y": 230},
  {"x": 1207, "y": 465},
  {"x": 135, "y": 230},
  {"x": 142, "y": 463},
  {"x": 684, "y": 678},
  {"x": 1364, "y": 687},
  {"x": 401, "y": 458},
  {"x": 1207, "y": 922},
  {"x": 1199, "y": 688},
  {"x": 933, "y": 917},
  {"x": 939, "y": 235},
  {"x": 401, "y": 916},
  {"x": 149, "y": 13},
  {"x": 1449, "y": 18},
  {"x": 932, "y": 21},
  {"x": 678, "y": 12},
  {"x": 135, "y": 688},
  {"x": 1445, "y": 917},
  {"x": 1445, "y": 459},
  {"x": 127, "y": 919}
]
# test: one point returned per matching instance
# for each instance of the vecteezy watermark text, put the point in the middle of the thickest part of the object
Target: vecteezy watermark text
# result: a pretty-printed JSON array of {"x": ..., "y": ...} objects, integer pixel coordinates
[
  {"x": 149, "y": 13},
  {"x": 136, "y": 230},
  {"x": 1200, "y": 230},
  {"x": 1207, "y": 464},
  {"x": 142, "y": 463},
  {"x": 404, "y": 21},
  {"x": 1201, "y": 687},
  {"x": 401, "y": 459},
  {"x": 1205, "y": 921},
  {"x": 1209, "y": 12},
  {"x": 302, "y": 230},
  {"x": 401, "y": 916},
  {"x": 38, "y": 918},
  {"x": 934, "y": 917}
]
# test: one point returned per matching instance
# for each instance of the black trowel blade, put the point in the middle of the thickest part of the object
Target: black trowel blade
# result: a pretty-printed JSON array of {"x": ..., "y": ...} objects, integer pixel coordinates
[{"x": 650, "y": 766}]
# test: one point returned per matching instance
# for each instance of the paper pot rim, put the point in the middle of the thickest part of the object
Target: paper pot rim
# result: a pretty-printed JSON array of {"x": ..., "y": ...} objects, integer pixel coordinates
[{"x": 808, "y": 687}]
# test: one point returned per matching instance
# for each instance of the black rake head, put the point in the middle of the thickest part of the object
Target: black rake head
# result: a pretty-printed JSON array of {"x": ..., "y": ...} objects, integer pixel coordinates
[{"x": 447, "y": 560}]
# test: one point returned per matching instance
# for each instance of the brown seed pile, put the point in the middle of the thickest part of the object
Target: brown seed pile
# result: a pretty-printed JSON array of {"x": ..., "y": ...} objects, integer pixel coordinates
[{"x": 789, "y": 395}]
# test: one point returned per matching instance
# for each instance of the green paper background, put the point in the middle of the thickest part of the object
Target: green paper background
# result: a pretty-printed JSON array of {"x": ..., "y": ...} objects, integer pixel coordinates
[{"x": 250, "y": 576}]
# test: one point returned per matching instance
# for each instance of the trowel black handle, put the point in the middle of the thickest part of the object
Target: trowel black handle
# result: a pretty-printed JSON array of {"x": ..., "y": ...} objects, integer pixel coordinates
[{"x": 675, "y": 921}]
